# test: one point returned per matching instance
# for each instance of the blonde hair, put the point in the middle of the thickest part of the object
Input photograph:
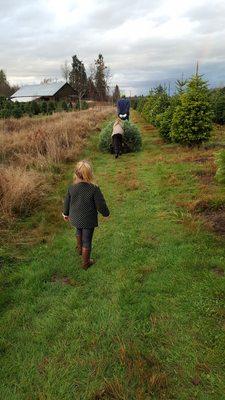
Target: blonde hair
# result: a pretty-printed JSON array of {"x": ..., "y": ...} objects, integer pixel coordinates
[{"x": 83, "y": 172}]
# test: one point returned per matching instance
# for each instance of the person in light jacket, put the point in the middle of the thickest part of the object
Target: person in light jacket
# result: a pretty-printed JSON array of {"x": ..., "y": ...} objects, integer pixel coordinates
[
  {"x": 117, "y": 137},
  {"x": 82, "y": 203}
]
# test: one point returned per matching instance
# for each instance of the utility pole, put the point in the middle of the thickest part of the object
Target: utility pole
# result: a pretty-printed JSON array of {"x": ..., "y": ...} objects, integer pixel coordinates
[{"x": 197, "y": 69}]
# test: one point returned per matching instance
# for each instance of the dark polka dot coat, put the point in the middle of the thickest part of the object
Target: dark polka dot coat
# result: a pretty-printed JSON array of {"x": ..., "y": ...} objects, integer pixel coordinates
[{"x": 82, "y": 204}]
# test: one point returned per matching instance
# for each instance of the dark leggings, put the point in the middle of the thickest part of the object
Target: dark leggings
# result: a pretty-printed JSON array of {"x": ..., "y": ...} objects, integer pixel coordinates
[
  {"x": 86, "y": 234},
  {"x": 117, "y": 143}
]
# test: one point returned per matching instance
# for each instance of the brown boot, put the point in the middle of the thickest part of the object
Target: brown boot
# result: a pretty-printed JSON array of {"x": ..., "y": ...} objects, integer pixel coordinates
[
  {"x": 79, "y": 244},
  {"x": 87, "y": 261}
]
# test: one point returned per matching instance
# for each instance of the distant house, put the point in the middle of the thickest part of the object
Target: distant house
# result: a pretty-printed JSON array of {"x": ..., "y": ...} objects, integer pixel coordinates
[{"x": 45, "y": 91}]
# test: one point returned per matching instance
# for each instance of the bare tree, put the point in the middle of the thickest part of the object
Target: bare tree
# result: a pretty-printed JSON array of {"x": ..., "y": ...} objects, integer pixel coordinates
[
  {"x": 49, "y": 80},
  {"x": 65, "y": 69}
]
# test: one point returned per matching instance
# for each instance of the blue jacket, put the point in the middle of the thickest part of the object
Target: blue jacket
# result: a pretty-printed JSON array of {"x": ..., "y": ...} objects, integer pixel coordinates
[{"x": 123, "y": 106}]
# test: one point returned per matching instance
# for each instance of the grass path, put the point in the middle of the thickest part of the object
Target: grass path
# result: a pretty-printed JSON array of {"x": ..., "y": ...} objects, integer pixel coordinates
[{"x": 148, "y": 320}]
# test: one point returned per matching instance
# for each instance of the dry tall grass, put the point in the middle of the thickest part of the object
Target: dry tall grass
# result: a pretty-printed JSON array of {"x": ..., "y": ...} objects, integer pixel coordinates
[{"x": 30, "y": 147}]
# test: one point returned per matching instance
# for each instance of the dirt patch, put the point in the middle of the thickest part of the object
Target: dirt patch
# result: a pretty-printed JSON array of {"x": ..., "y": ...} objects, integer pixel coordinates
[
  {"x": 133, "y": 184},
  {"x": 129, "y": 181},
  {"x": 216, "y": 221},
  {"x": 144, "y": 369},
  {"x": 196, "y": 381},
  {"x": 213, "y": 212},
  {"x": 144, "y": 273},
  {"x": 218, "y": 271},
  {"x": 64, "y": 280},
  {"x": 143, "y": 379},
  {"x": 206, "y": 177},
  {"x": 202, "y": 159},
  {"x": 113, "y": 390},
  {"x": 148, "y": 128},
  {"x": 159, "y": 141}
]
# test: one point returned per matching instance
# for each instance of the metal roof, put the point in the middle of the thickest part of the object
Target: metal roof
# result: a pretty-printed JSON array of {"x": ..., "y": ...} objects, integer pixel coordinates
[
  {"x": 24, "y": 99},
  {"x": 44, "y": 89}
]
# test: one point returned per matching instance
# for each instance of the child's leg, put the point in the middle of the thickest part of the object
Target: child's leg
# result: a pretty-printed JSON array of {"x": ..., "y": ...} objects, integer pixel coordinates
[
  {"x": 120, "y": 144},
  {"x": 116, "y": 144},
  {"x": 79, "y": 241},
  {"x": 87, "y": 235}
]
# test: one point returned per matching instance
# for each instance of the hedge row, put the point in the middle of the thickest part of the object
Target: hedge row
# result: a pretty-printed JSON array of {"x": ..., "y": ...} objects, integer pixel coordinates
[{"x": 18, "y": 109}]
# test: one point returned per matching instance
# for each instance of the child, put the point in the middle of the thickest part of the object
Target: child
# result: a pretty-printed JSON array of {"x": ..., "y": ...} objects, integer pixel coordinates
[
  {"x": 117, "y": 137},
  {"x": 81, "y": 206}
]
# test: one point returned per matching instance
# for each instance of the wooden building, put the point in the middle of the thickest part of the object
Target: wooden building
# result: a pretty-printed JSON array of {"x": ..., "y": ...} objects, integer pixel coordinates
[{"x": 45, "y": 91}]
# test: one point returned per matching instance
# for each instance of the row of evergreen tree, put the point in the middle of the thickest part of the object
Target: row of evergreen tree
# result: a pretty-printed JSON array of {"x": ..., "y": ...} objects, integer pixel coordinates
[
  {"x": 17, "y": 110},
  {"x": 187, "y": 116}
]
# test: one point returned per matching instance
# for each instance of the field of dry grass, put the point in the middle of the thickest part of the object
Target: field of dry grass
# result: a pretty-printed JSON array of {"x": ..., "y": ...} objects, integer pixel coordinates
[{"x": 31, "y": 151}]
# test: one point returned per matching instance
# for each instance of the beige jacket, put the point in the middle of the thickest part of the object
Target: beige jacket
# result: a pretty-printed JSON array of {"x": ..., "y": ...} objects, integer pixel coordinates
[{"x": 117, "y": 129}]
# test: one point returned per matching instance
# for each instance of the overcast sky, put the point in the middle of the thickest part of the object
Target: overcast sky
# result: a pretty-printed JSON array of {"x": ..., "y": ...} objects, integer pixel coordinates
[{"x": 142, "y": 42}]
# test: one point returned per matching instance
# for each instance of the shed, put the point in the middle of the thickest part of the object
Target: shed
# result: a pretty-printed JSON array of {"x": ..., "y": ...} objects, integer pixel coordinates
[{"x": 45, "y": 91}]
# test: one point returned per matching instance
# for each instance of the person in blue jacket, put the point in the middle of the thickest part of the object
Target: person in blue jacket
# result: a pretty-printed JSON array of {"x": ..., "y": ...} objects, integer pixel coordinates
[{"x": 123, "y": 108}]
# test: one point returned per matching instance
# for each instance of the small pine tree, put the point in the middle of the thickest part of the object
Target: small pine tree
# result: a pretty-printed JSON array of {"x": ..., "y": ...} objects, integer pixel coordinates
[
  {"x": 218, "y": 105},
  {"x": 51, "y": 107},
  {"x": 5, "y": 113},
  {"x": 165, "y": 119},
  {"x": 134, "y": 102},
  {"x": 16, "y": 111},
  {"x": 141, "y": 103},
  {"x": 192, "y": 120},
  {"x": 34, "y": 108},
  {"x": 64, "y": 106},
  {"x": 156, "y": 103},
  {"x": 44, "y": 107},
  {"x": 220, "y": 162}
]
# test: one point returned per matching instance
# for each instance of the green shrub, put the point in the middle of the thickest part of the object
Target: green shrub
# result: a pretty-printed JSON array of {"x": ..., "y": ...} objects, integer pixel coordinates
[
  {"x": 164, "y": 122},
  {"x": 134, "y": 102},
  {"x": 141, "y": 102},
  {"x": 2, "y": 101},
  {"x": 160, "y": 103},
  {"x": 146, "y": 111},
  {"x": 83, "y": 105},
  {"x": 51, "y": 107},
  {"x": 44, "y": 107},
  {"x": 5, "y": 113},
  {"x": 155, "y": 104},
  {"x": 218, "y": 105},
  {"x": 131, "y": 140},
  {"x": 165, "y": 119},
  {"x": 220, "y": 162},
  {"x": 64, "y": 106},
  {"x": 34, "y": 108},
  {"x": 192, "y": 120},
  {"x": 17, "y": 111}
]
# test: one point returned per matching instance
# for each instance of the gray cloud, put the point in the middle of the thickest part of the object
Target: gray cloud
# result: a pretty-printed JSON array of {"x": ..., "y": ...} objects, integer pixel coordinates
[{"x": 141, "y": 41}]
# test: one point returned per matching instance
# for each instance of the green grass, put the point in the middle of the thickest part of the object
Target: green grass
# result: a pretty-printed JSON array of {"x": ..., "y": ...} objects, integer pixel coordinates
[{"x": 148, "y": 320}]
